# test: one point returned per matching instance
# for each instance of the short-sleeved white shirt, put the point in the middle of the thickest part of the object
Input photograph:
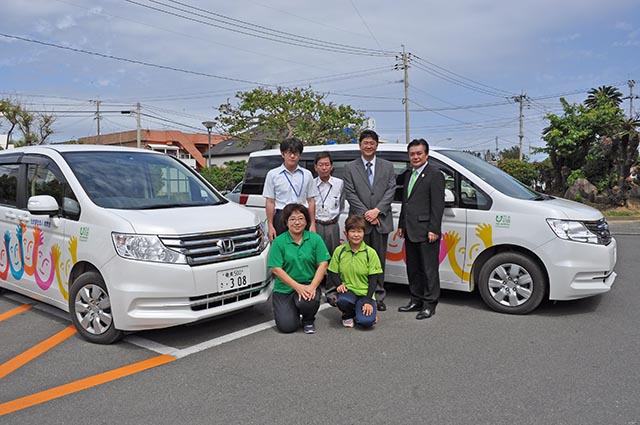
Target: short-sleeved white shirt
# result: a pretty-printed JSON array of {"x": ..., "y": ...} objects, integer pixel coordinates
[
  {"x": 289, "y": 188},
  {"x": 329, "y": 198}
]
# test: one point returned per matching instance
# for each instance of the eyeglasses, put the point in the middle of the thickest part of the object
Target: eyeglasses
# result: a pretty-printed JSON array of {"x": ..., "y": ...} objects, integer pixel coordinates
[{"x": 296, "y": 220}]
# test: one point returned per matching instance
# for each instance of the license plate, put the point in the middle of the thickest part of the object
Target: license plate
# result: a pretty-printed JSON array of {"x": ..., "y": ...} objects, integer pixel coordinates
[{"x": 233, "y": 279}]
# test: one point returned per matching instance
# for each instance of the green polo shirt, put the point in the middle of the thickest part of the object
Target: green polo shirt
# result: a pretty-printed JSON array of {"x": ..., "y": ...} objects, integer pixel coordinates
[
  {"x": 299, "y": 261},
  {"x": 354, "y": 268}
]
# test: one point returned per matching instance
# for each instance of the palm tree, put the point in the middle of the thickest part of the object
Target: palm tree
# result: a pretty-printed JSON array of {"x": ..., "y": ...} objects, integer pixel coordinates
[{"x": 611, "y": 93}]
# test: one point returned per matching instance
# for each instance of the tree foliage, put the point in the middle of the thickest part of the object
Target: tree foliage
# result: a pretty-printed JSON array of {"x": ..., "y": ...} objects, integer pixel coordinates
[
  {"x": 226, "y": 177},
  {"x": 511, "y": 153},
  {"x": 273, "y": 115},
  {"x": 595, "y": 140},
  {"x": 525, "y": 172},
  {"x": 34, "y": 127}
]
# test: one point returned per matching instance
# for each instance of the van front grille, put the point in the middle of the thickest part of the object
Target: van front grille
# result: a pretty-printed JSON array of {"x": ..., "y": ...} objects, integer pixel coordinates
[
  {"x": 215, "y": 247},
  {"x": 601, "y": 229}
]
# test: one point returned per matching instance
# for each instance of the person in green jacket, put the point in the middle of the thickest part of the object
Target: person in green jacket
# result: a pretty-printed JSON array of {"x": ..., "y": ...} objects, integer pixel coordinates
[{"x": 354, "y": 270}]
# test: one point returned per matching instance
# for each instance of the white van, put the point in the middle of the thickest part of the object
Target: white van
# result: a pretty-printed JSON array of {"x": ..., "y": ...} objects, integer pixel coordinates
[
  {"x": 515, "y": 245},
  {"x": 125, "y": 239}
]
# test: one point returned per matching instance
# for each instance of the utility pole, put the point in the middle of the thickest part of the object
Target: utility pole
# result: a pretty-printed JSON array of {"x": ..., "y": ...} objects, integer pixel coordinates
[
  {"x": 405, "y": 66},
  {"x": 631, "y": 83},
  {"x": 98, "y": 102},
  {"x": 138, "y": 141},
  {"x": 520, "y": 99},
  {"x": 496, "y": 148}
]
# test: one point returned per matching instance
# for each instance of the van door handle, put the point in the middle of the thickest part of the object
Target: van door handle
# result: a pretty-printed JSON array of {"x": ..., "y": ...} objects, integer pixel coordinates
[{"x": 10, "y": 215}]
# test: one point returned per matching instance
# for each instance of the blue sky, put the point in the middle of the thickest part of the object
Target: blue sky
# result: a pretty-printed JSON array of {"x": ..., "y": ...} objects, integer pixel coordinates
[{"x": 469, "y": 59}]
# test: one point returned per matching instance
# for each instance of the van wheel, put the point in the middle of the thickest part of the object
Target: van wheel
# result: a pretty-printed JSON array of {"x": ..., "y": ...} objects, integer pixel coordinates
[
  {"x": 511, "y": 283},
  {"x": 90, "y": 309}
]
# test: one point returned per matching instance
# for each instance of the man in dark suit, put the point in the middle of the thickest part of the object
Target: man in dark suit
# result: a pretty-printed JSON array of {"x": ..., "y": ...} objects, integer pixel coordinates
[
  {"x": 420, "y": 223},
  {"x": 369, "y": 187}
]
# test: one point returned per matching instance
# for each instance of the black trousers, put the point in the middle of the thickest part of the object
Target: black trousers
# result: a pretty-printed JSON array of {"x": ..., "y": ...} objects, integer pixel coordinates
[
  {"x": 287, "y": 309},
  {"x": 378, "y": 241},
  {"x": 422, "y": 271}
]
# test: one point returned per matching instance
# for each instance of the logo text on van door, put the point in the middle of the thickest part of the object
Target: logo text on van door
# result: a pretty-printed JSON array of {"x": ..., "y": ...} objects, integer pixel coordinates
[{"x": 503, "y": 221}]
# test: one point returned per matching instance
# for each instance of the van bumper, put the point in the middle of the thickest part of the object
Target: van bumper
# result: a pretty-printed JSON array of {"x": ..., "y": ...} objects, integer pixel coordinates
[
  {"x": 148, "y": 295},
  {"x": 578, "y": 270}
]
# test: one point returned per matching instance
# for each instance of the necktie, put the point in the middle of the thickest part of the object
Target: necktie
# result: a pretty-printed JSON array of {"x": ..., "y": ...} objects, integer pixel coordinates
[
  {"x": 412, "y": 181},
  {"x": 370, "y": 173}
]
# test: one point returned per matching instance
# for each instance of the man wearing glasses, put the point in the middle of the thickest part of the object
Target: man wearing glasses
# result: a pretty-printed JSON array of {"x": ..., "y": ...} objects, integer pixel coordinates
[
  {"x": 369, "y": 186},
  {"x": 288, "y": 184}
]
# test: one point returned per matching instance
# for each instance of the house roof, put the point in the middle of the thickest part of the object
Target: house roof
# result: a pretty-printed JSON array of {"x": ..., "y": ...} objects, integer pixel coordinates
[
  {"x": 193, "y": 143},
  {"x": 236, "y": 147}
]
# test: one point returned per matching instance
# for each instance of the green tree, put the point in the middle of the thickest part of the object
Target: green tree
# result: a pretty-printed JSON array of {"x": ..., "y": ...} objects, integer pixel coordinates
[
  {"x": 35, "y": 128},
  {"x": 511, "y": 153},
  {"x": 226, "y": 177},
  {"x": 525, "y": 172},
  {"x": 273, "y": 115},
  {"x": 610, "y": 93}
]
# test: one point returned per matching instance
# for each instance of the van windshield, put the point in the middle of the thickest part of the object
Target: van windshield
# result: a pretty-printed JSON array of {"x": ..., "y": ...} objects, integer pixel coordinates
[
  {"x": 139, "y": 180},
  {"x": 497, "y": 178}
]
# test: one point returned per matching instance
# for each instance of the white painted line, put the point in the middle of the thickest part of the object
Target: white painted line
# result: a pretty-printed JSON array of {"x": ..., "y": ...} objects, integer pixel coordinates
[{"x": 180, "y": 353}]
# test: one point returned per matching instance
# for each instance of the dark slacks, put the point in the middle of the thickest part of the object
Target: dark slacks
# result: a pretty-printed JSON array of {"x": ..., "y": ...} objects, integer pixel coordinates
[
  {"x": 287, "y": 309},
  {"x": 378, "y": 241},
  {"x": 422, "y": 271},
  {"x": 351, "y": 307}
]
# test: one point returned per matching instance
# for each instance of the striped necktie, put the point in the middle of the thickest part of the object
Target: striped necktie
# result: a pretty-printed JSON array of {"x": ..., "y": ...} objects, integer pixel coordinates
[{"x": 370, "y": 173}]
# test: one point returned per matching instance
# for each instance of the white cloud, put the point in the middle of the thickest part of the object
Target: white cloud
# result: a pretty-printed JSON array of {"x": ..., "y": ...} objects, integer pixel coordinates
[{"x": 65, "y": 22}]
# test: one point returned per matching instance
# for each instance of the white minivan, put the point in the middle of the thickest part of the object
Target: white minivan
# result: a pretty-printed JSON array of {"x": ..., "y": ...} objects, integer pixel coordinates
[
  {"x": 125, "y": 239},
  {"x": 515, "y": 245}
]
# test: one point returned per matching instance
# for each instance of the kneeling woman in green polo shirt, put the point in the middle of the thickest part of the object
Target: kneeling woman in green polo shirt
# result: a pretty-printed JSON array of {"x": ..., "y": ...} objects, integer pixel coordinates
[
  {"x": 354, "y": 268},
  {"x": 298, "y": 259}
]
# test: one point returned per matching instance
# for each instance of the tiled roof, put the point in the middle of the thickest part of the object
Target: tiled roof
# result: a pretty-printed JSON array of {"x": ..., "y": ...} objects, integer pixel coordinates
[{"x": 193, "y": 143}]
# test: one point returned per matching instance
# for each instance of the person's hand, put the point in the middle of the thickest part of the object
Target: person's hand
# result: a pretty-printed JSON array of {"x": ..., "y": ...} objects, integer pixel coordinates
[
  {"x": 342, "y": 289},
  {"x": 367, "y": 309},
  {"x": 312, "y": 228},
  {"x": 400, "y": 233},
  {"x": 372, "y": 215},
  {"x": 271, "y": 232},
  {"x": 433, "y": 237},
  {"x": 306, "y": 293}
]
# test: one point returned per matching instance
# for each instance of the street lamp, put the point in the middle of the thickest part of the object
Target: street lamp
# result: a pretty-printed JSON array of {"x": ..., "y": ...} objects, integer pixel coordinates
[{"x": 209, "y": 125}]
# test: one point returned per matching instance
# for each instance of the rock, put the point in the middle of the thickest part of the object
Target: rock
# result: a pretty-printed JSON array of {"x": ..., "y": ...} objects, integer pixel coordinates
[{"x": 581, "y": 190}]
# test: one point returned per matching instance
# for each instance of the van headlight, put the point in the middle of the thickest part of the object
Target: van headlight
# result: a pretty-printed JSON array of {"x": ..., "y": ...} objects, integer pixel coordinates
[
  {"x": 263, "y": 235},
  {"x": 572, "y": 231},
  {"x": 145, "y": 248}
]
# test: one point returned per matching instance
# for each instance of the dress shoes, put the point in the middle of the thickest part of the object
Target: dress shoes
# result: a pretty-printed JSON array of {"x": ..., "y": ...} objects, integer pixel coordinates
[
  {"x": 426, "y": 313},
  {"x": 381, "y": 306},
  {"x": 410, "y": 307}
]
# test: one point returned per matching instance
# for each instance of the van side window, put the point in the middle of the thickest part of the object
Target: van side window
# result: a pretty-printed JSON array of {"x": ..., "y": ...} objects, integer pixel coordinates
[
  {"x": 471, "y": 197},
  {"x": 257, "y": 169},
  {"x": 9, "y": 184},
  {"x": 45, "y": 179}
]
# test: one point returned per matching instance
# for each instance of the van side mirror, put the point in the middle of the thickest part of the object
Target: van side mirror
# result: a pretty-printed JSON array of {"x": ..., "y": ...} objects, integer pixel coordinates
[
  {"x": 449, "y": 199},
  {"x": 43, "y": 205}
]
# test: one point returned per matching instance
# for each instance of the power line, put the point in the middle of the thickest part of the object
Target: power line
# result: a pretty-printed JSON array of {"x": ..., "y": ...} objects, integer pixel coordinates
[
  {"x": 258, "y": 31},
  {"x": 153, "y": 65},
  {"x": 429, "y": 67}
]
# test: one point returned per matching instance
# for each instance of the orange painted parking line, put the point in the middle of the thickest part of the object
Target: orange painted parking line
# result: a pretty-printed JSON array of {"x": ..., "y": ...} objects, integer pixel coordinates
[
  {"x": 35, "y": 351},
  {"x": 15, "y": 311},
  {"x": 82, "y": 384}
]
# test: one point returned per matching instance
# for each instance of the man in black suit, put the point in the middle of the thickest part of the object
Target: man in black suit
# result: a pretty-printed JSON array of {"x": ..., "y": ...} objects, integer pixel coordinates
[{"x": 420, "y": 223}]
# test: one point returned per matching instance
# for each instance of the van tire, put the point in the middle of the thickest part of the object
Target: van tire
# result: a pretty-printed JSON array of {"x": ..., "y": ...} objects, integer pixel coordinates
[
  {"x": 90, "y": 309},
  {"x": 512, "y": 283}
]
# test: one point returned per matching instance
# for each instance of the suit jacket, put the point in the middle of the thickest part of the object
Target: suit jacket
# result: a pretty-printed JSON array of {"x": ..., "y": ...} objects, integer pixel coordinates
[
  {"x": 362, "y": 197},
  {"x": 422, "y": 211}
]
